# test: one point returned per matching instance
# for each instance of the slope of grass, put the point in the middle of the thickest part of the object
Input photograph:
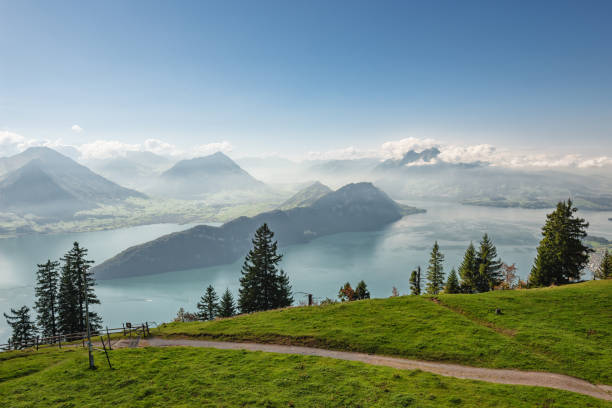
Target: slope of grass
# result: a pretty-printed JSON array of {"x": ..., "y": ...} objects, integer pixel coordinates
[
  {"x": 183, "y": 377},
  {"x": 552, "y": 336},
  {"x": 571, "y": 324}
]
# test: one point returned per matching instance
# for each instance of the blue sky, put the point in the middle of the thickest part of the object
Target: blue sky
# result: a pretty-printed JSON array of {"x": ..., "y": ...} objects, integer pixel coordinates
[{"x": 296, "y": 76}]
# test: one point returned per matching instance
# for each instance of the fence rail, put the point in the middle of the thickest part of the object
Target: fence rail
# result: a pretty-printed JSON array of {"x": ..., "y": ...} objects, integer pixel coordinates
[{"x": 61, "y": 339}]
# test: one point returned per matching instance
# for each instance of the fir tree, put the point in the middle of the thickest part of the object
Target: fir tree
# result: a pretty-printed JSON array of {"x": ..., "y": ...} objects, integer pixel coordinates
[
  {"x": 77, "y": 270},
  {"x": 489, "y": 268},
  {"x": 262, "y": 285},
  {"x": 46, "y": 298},
  {"x": 605, "y": 267},
  {"x": 208, "y": 305},
  {"x": 468, "y": 271},
  {"x": 22, "y": 325},
  {"x": 361, "y": 291},
  {"x": 68, "y": 301},
  {"x": 561, "y": 255},
  {"x": 415, "y": 281},
  {"x": 226, "y": 306},
  {"x": 435, "y": 271},
  {"x": 452, "y": 283}
]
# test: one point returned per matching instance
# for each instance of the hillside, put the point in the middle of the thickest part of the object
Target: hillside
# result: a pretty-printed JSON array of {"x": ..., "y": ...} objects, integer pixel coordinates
[
  {"x": 183, "y": 377},
  {"x": 306, "y": 196},
  {"x": 355, "y": 207},
  {"x": 539, "y": 329},
  {"x": 40, "y": 174},
  {"x": 200, "y": 176}
]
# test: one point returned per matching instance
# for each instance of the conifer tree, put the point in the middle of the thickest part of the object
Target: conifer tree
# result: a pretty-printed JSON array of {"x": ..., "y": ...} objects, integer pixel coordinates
[
  {"x": 361, "y": 291},
  {"x": 67, "y": 301},
  {"x": 262, "y": 285},
  {"x": 489, "y": 268},
  {"x": 226, "y": 306},
  {"x": 605, "y": 268},
  {"x": 452, "y": 283},
  {"x": 208, "y": 304},
  {"x": 415, "y": 281},
  {"x": 78, "y": 283},
  {"x": 435, "y": 271},
  {"x": 561, "y": 255},
  {"x": 46, "y": 290},
  {"x": 22, "y": 325},
  {"x": 468, "y": 270}
]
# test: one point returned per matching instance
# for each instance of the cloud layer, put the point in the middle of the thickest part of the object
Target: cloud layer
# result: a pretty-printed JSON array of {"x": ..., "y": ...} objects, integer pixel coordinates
[
  {"x": 452, "y": 153},
  {"x": 12, "y": 143}
]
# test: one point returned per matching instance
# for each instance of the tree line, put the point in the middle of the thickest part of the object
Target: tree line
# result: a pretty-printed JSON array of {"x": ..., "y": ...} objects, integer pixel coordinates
[
  {"x": 62, "y": 288},
  {"x": 561, "y": 258}
]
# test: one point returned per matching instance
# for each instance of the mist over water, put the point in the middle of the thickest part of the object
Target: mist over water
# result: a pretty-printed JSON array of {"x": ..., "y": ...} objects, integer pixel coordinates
[{"x": 382, "y": 258}]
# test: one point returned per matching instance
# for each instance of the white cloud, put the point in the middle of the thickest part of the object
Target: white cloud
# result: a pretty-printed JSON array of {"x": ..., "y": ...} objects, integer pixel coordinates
[
  {"x": 451, "y": 153},
  {"x": 395, "y": 149},
  {"x": 76, "y": 129},
  {"x": 106, "y": 149},
  {"x": 468, "y": 154}
]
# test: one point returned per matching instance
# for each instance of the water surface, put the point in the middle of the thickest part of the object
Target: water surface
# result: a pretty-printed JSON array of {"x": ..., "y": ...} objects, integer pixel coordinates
[{"x": 382, "y": 258}]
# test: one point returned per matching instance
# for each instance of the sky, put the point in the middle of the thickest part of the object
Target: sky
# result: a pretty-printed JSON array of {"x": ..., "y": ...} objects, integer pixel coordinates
[{"x": 308, "y": 79}]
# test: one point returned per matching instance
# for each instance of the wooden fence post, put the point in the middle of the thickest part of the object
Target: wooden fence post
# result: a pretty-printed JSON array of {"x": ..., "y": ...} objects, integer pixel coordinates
[
  {"x": 108, "y": 337},
  {"x": 123, "y": 325},
  {"x": 105, "y": 352},
  {"x": 36, "y": 343}
]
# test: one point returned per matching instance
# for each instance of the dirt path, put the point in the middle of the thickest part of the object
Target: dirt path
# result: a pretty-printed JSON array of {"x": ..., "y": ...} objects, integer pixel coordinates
[{"x": 514, "y": 377}]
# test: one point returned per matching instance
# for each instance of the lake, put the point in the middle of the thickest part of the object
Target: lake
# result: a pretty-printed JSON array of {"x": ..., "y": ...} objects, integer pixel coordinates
[{"x": 382, "y": 258}]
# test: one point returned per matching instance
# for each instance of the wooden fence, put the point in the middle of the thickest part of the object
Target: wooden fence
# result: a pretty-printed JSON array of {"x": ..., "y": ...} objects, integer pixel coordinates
[{"x": 37, "y": 342}]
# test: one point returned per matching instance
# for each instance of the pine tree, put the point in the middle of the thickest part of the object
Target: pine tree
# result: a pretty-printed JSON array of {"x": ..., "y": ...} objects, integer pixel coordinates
[
  {"x": 46, "y": 298},
  {"x": 208, "y": 305},
  {"x": 561, "y": 255},
  {"x": 68, "y": 301},
  {"x": 468, "y": 271},
  {"x": 262, "y": 285},
  {"x": 79, "y": 283},
  {"x": 22, "y": 325},
  {"x": 361, "y": 291},
  {"x": 452, "y": 284},
  {"x": 226, "y": 306},
  {"x": 435, "y": 271},
  {"x": 489, "y": 268},
  {"x": 415, "y": 281},
  {"x": 605, "y": 268}
]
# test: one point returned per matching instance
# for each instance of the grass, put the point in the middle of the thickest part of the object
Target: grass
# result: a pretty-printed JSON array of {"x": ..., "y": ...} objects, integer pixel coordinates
[
  {"x": 566, "y": 330},
  {"x": 183, "y": 377}
]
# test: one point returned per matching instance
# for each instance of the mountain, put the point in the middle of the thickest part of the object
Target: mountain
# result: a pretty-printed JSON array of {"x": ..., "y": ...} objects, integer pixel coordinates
[
  {"x": 134, "y": 169},
  {"x": 197, "y": 177},
  {"x": 354, "y": 207},
  {"x": 306, "y": 196},
  {"x": 44, "y": 182}
]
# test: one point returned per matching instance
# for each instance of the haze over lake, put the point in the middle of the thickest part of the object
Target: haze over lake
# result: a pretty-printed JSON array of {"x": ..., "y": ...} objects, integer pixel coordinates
[{"x": 382, "y": 258}]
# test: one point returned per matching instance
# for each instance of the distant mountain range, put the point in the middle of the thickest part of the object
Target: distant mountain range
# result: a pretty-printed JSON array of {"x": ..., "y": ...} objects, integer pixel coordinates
[
  {"x": 354, "y": 207},
  {"x": 46, "y": 183},
  {"x": 137, "y": 170},
  {"x": 195, "y": 178}
]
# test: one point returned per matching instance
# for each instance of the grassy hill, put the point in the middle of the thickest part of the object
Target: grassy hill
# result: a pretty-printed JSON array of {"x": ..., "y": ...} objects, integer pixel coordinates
[
  {"x": 565, "y": 329},
  {"x": 184, "y": 377}
]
